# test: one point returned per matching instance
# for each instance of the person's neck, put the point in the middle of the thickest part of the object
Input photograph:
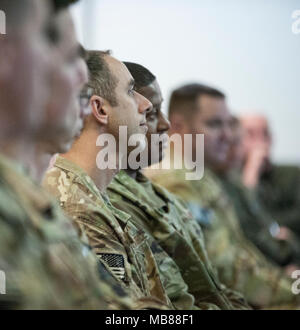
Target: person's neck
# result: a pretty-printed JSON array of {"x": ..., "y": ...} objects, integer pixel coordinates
[
  {"x": 25, "y": 152},
  {"x": 44, "y": 153},
  {"x": 84, "y": 153},
  {"x": 132, "y": 173}
]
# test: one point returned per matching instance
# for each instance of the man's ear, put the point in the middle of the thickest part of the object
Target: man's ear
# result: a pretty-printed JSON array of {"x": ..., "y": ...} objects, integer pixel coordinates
[{"x": 99, "y": 109}]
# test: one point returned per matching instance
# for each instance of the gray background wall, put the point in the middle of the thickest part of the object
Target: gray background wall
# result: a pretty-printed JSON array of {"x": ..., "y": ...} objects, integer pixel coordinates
[{"x": 245, "y": 47}]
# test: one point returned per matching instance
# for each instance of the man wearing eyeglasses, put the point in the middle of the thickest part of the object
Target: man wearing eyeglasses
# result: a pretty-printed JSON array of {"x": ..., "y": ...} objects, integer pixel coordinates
[{"x": 45, "y": 263}]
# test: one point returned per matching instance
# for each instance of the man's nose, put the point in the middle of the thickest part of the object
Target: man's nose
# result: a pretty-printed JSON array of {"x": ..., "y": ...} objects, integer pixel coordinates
[
  {"x": 143, "y": 104},
  {"x": 163, "y": 123}
]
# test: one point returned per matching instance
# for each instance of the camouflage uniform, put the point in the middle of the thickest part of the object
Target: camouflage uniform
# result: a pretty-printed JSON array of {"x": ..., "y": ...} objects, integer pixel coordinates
[
  {"x": 279, "y": 192},
  {"x": 240, "y": 265},
  {"x": 257, "y": 224},
  {"x": 116, "y": 241},
  {"x": 46, "y": 265},
  {"x": 167, "y": 221}
]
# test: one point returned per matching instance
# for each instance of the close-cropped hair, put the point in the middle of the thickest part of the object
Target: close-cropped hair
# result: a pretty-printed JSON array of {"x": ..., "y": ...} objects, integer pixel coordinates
[
  {"x": 141, "y": 75},
  {"x": 101, "y": 79},
  {"x": 183, "y": 99}
]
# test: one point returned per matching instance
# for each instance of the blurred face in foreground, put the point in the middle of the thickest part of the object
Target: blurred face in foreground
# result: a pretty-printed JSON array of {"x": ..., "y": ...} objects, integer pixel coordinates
[
  {"x": 69, "y": 75},
  {"x": 25, "y": 64}
]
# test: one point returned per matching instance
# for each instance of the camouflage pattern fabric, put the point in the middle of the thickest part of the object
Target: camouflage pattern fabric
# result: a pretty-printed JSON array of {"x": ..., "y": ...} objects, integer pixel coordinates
[
  {"x": 257, "y": 223},
  {"x": 168, "y": 222},
  {"x": 240, "y": 264},
  {"x": 117, "y": 242},
  {"x": 279, "y": 192},
  {"x": 45, "y": 263}
]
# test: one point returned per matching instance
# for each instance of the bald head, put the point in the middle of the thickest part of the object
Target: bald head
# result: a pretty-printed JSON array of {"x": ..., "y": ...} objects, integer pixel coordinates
[
  {"x": 256, "y": 126},
  {"x": 254, "y": 121},
  {"x": 256, "y": 132}
]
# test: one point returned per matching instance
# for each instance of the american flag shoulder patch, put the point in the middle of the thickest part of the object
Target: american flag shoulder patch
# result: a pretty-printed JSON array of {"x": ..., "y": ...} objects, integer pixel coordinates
[{"x": 116, "y": 264}]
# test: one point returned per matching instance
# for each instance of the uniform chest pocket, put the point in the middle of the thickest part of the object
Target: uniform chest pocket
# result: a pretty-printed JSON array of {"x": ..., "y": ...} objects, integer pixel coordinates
[{"x": 139, "y": 255}]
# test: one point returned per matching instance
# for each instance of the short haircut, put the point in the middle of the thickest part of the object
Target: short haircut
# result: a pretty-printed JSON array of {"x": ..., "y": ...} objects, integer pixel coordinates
[
  {"x": 183, "y": 99},
  {"x": 17, "y": 12},
  {"x": 62, "y": 4},
  {"x": 102, "y": 80},
  {"x": 142, "y": 76}
]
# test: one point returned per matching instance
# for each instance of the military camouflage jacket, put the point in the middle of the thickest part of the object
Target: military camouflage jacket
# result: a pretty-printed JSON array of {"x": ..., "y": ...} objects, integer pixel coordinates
[
  {"x": 240, "y": 265},
  {"x": 45, "y": 264},
  {"x": 279, "y": 191},
  {"x": 166, "y": 220},
  {"x": 118, "y": 243},
  {"x": 258, "y": 225}
]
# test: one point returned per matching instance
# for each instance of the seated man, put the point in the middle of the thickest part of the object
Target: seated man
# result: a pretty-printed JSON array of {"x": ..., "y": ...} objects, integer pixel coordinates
[
  {"x": 197, "y": 109},
  {"x": 277, "y": 186},
  {"x": 46, "y": 265},
  {"x": 79, "y": 178},
  {"x": 163, "y": 216},
  {"x": 256, "y": 222}
]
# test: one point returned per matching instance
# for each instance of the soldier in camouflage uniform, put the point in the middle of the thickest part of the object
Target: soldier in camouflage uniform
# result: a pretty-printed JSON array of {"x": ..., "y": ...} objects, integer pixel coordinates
[
  {"x": 45, "y": 263},
  {"x": 79, "y": 185},
  {"x": 118, "y": 244},
  {"x": 279, "y": 191},
  {"x": 277, "y": 186},
  {"x": 200, "y": 109},
  {"x": 240, "y": 265},
  {"x": 258, "y": 225},
  {"x": 166, "y": 220},
  {"x": 256, "y": 222}
]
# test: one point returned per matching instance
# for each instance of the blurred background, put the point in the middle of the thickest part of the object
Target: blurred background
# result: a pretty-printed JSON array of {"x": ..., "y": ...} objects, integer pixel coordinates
[{"x": 245, "y": 48}]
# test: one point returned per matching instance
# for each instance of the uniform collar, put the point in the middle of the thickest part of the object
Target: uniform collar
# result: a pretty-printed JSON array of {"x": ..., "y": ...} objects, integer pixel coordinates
[
  {"x": 11, "y": 164},
  {"x": 83, "y": 178},
  {"x": 125, "y": 185}
]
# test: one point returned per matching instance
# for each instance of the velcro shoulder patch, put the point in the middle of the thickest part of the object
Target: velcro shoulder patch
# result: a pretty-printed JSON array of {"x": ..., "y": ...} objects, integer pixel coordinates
[{"x": 116, "y": 264}]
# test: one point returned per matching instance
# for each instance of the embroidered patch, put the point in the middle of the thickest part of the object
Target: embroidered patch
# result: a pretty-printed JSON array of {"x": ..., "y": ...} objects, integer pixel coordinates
[
  {"x": 201, "y": 214},
  {"x": 116, "y": 264}
]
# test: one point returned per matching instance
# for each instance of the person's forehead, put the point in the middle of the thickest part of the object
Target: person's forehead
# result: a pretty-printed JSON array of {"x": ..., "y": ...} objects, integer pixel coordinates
[
  {"x": 40, "y": 12},
  {"x": 66, "y": 29},
  {"x": 119, "y": 70},
  {"x": 153, "y": 93},
  {"x": 211, "y": 106},
  {"x": 255, "y": 122}
]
